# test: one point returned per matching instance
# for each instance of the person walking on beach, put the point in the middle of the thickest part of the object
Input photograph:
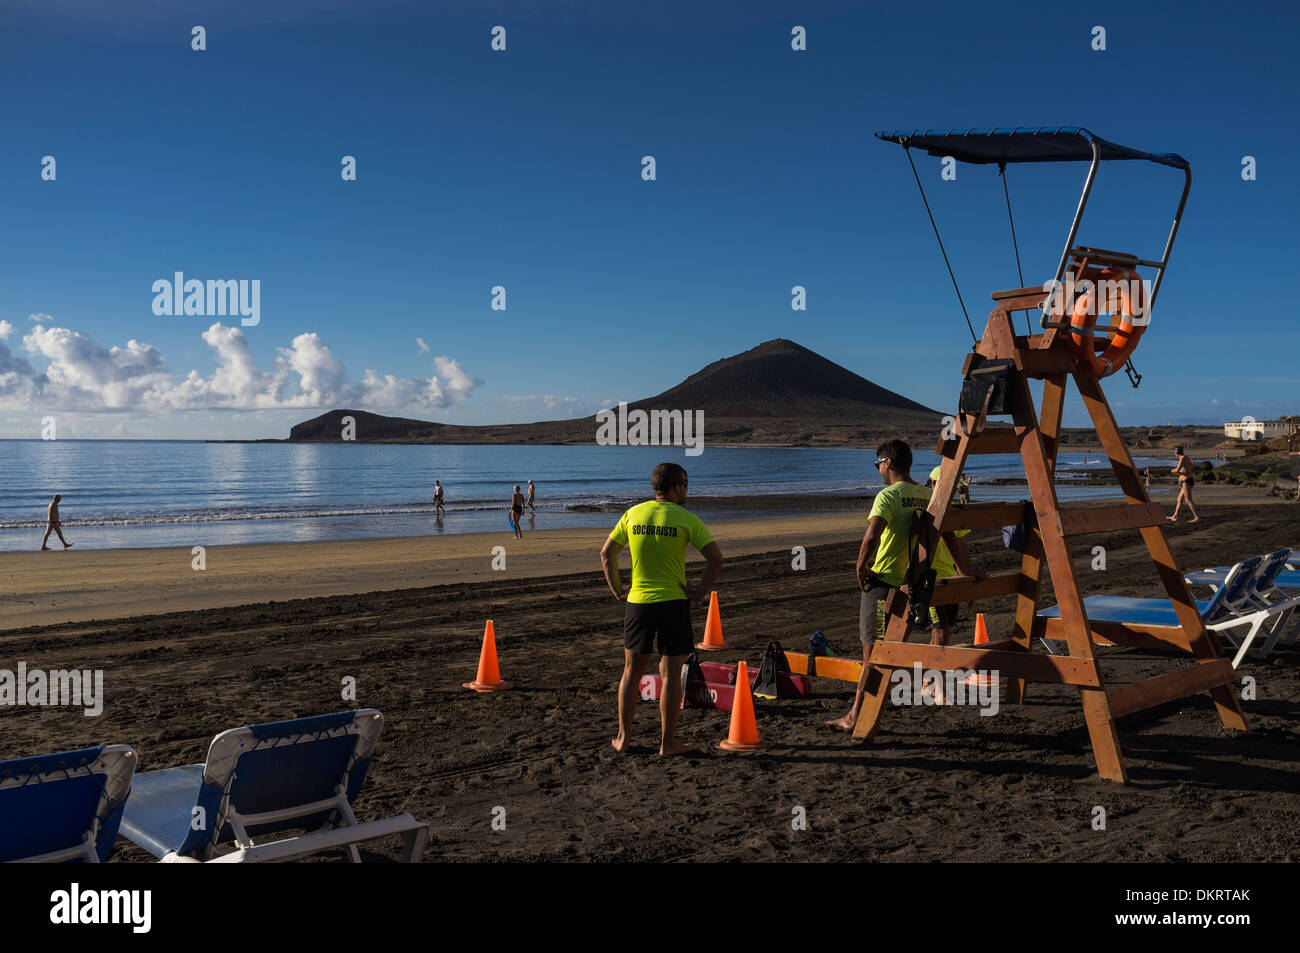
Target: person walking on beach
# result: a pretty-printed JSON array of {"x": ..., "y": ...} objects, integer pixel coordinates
[
  {"x": 53, "y": 525},
  {"x": 439, "y": 509},
  {"x": 658, "y": 601},
  {"x": 517, "y": 512},
  {"x": 532, "y": 510},
  {"x": 883, "y": 556},
  {"x": 1185, "y": 483}
]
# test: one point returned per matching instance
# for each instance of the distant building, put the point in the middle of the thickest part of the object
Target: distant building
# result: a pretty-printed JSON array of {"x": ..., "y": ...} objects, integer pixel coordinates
[{"x": 1249, "y": 429}]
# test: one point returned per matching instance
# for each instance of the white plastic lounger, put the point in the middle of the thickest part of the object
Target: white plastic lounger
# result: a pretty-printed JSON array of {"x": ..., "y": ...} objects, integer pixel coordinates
[
  {"x": 268, "y": 780},
  {"x": 1229, "y": 610},
  {"x": 1238, "y": 577},
  {"x": 1273, "y": 580},
  {"x": 1272, "y": 586},
  {"x": 65, "y": 806},
  {"x": 1286, "y": 579}
]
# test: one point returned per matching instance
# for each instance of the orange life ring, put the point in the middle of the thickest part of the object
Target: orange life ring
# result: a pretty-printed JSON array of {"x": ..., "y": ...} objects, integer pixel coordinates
[{"x": 1124, "y": 340}]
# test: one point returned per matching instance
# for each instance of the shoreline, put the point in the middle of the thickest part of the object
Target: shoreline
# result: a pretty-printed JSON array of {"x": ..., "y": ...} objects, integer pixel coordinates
[
  {"x": 90, "y": 585},
  {"x": 99, "y": 584}
]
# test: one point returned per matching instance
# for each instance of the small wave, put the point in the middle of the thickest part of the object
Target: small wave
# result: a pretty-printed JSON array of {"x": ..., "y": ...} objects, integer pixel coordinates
[{"x": 239, "y": 516}]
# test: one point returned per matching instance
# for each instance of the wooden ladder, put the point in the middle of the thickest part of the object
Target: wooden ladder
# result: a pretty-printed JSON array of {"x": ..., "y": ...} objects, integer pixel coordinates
[{"x": 1048, "y": 533}]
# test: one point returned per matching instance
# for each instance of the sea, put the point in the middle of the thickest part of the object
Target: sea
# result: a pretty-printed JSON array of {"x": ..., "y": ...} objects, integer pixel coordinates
[{"x": 123, "y": 494}]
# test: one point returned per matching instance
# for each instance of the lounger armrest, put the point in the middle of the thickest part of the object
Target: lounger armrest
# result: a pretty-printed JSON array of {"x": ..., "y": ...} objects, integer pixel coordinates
[
  {"x": 415, "y": 833},
  {"x": 85, "y": 851}
]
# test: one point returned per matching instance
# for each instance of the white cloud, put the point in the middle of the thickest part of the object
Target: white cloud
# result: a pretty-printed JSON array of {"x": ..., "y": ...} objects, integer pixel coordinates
[
  {"x": 424, "y": 348},
  {"x": 458, "y": 383},
  {"x": 6, "y": 329},
  {"x": 39, "y": 318},
  {"x": 17, "y": 380},
  {"x": 83, "y": 375}
]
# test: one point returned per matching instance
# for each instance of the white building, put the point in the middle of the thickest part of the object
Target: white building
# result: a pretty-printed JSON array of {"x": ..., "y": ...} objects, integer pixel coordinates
[{"x": 1251, "y": 429}]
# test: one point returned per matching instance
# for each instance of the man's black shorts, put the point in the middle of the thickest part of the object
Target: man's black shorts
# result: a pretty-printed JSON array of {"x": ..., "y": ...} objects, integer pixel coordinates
[
  {"x": 873, "y": 611},
  {"x": 670, "y": 621}
]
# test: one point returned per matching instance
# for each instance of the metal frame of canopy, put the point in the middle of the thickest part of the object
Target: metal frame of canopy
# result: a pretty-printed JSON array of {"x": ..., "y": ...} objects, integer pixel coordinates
[{"x": 1055, "y": 144}]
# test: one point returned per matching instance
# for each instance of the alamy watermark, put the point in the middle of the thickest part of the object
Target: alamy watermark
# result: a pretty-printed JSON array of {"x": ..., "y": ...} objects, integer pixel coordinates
[
  {"x": 75, "y": 905},
  {"x": 213, "y": 298},
  {"x": 56, "y": 687},
  {"x": 655, "y": 428},
  {"x": 932, "y": 686},
  {"x": 1099, "y": 296}
]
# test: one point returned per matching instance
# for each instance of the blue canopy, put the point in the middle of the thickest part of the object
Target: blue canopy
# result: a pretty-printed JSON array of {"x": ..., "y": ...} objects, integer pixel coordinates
[{"x": 1023, "y": 144}]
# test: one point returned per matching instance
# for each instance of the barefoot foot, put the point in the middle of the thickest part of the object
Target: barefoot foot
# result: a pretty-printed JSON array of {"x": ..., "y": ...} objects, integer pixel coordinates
[
  {"x": 676, "y": 748},
  {"x": 842, "y": 724},
  {"x": 620, "y": 745}
]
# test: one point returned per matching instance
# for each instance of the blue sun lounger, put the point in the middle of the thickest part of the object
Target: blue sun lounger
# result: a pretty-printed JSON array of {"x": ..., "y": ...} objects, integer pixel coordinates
[
  {"x": 259, "y": 784},
  {"x": 1228, "y": 610},
  {"x": 65, "y": 806}
]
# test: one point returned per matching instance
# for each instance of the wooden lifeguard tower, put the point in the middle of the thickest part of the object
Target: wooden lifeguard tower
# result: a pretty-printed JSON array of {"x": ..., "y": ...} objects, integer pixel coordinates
[{"x": 997, "y": 376}]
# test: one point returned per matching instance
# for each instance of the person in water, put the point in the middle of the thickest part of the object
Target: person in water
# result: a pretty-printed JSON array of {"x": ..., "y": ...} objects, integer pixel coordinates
[{"x": 517, "y": 512}]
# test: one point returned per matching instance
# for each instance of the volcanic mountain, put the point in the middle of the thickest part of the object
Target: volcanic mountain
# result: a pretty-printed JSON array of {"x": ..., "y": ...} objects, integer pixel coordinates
[{"x": 778, "y": 393}]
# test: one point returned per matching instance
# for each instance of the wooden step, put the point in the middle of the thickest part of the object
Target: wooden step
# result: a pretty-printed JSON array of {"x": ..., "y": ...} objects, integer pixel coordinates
[
  {"x": 1082, "y": 520},
  {"x": 1104, "y": 256},
  {"x": 984, "y": 515},
  {"x": 1061, "y": 669},
  {"x": 989, "y": 440},
  {"x": 959, "y": 589}
]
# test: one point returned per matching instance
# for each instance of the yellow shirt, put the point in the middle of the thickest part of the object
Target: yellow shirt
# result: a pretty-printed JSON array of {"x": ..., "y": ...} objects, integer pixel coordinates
[
  {"x": 657, "y": 532},
  {"x": 895, "y": 504},
  {"x": 943, "y": 564}
]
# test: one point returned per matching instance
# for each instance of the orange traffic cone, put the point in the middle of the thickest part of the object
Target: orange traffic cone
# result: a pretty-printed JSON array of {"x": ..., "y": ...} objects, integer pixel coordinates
[
  {"x": 743, "y": 735},
  {"x": 489, "y": 677},
  {"x": 975, "y": 679},
  {"x": 712, "y": 628}
]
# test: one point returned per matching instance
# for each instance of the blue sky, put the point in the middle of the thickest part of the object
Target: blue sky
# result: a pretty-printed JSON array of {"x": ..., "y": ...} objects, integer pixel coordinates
[{"x": 523, "y": 169}]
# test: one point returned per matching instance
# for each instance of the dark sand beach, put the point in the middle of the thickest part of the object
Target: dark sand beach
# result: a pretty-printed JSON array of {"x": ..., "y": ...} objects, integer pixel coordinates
[{"x": 940, "y": 784}]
